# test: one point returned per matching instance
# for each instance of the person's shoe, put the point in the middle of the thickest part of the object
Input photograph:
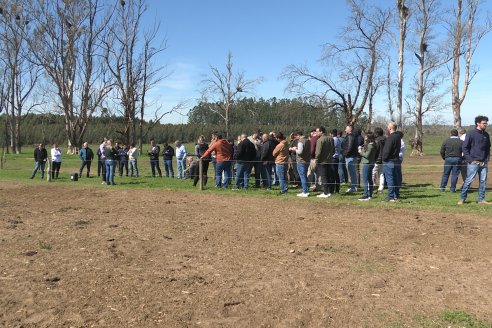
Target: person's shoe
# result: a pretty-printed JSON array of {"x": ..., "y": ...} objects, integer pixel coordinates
[
  {"x": 461, "y": 202},
  {"x": 324, "y": 195},
  {"x": 395, "y": 199},
  {"x": 32, "y": 177},
  {"x": 389, "y": 199},
  {"x": 351, "y": 190},
  {"x": 364, "y": 198},
  {"x": 235, "y": 189},
  {"x": 484, "y": 202},
  {"x": 103, "y": 182},
  {"x": 303, "y": 194}
]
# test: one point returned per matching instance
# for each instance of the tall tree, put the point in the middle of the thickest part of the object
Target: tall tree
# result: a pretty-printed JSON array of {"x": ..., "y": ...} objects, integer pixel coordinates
[
  {"x": 66, "y": 44},
  {"x": 355, "y": 62},
  {"x": 223, "y": 88},
  {"x": 466, "y": 33},
  {"x": 130, "y": 53},
  {"x": 403, "y": 15}
]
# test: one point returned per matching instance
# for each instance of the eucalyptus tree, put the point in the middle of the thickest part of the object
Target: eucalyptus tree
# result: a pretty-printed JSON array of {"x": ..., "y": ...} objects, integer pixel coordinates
[{"x": 66, "y": 44}]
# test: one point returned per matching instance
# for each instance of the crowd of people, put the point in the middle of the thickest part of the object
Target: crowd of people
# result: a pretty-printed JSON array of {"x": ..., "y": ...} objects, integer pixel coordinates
[{"x": 320, "y": 161}]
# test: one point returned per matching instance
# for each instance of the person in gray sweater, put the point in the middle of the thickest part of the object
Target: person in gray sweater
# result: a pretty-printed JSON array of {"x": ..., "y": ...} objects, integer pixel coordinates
[{"x": 452, "y": 156}]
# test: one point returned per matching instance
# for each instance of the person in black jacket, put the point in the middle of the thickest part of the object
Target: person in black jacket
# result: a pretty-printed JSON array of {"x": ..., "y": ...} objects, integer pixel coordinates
[
  {"x": 245, "y": 156},
  {"x": 167, "y": 156},
  {"x": 267, "y": 159},
  {"x": 351, "y": 152},
  {"x": 377, "y": 172},
  {"x": 154, "y": 158},
  {"x": 200, "y": 148},
  {"x": 40, "y": 157},
  {"x": 451, "y": 154},
  {"x": 86, "y": 156},
  {"x": 392, "y": 163}
]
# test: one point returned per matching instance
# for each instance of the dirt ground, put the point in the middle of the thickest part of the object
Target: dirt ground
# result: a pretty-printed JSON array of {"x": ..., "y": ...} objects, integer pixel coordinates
[{"x": 109, "y": 257}]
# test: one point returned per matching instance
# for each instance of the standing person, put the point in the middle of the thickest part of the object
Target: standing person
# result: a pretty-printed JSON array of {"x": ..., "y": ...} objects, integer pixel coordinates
[
  {"x": 451, "y": 154},
  {"x": 154, "y": 153},
  {"x": 476, "y": 151},
  {"x": 359, "y": 139},
  {"x": 116, "y": 148},
  {"x": 223, "y": 151},
  {"x": 200, "y": 149},
  {"x": 56, "y": 160},
  {"x": 303, "y": 158},
  {"x": 391, "y": 163},
  {"x": 377, "y": 172},
  {"x": 40, "y": 157},
  {"x": 132, "y": 157},
  {"x": 102, "y": 159},
  {"x": 256, "y": 163},
  {"x": 368, "y": 155},
  {"x": 267, "y": 160},
  {"x": 342, "y": 167},
  {"x": 122, "y": 160},
  {"x": 86, "y": 156},
  {"x": 180, "y": 158},
  {"x": 293, "y": 175},
  {"x": 336, "y": 158},
  {"x": 110, "y": 154},
  {"x": 167, "y": 156},
  {"x": 462, "y": 136},
  {"x": 325, "y": 148},
  {"x": 281, "y": 155},
  {"x": 245, "y": 156},
  {"x": 312, "y": 174},
  {"x": 350, "y": 152}
]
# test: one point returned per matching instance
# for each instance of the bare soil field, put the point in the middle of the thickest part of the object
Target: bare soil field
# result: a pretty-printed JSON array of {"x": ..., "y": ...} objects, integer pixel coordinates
[{"x": 110, "y": 257}]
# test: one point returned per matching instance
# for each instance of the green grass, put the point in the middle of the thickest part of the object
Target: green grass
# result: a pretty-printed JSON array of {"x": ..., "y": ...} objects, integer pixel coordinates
[
  {"x": 420, "y": 192},
  {"x": 448, "y": 318}
]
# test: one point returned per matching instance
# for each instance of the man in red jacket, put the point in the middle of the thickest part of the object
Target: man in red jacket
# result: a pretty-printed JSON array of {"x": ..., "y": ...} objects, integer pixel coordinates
[{"x": 223, "y": 152}]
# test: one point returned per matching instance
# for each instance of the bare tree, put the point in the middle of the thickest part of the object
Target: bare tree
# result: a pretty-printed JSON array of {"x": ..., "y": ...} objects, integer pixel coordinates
[
  {"x": 223, "y": 88},
  {"x": 20, "y": 75},
  {"x": 355, "y": 63},
  {"x": 403, "y": 15},
  {"x": 466, "y": 34},
  {"x": 66, "y": 44},
  {"x": 130, "y": 53}
]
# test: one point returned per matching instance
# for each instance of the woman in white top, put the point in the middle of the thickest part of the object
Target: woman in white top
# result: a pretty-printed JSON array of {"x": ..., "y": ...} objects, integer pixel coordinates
[{"x": 56, "y": 160}]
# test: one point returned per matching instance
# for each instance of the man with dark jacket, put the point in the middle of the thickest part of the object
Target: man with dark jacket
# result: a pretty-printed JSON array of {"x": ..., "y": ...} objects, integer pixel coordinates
[
  {"x": 476, "y": 151},
  {"x": 40, "y": 157},
  {"x": 267, "y": 159},
  {"x": 154, "y": 158},
  {"x": 325, "y": 148},
  {"x": 391, "y": 163},
  {"x": 351, "y": 152},
  {"x": 86, "y": 156},
  {"x": 451, "y": 154},
  {"x": 245, "y": 156},
  {"x": 377, "y": 172}
]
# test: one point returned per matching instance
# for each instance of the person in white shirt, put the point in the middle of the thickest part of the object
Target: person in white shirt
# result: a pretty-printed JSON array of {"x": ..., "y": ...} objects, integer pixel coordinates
[
  {"x": 180, "y": 158},
  {"x": 56, "y": 160},
  {"x": 132, "y": 157}
]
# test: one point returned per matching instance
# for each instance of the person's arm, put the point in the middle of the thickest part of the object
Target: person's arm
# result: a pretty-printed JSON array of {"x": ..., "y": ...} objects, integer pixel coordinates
[
  {"x": 300, "y": 148},
  {"x": 443, "y": 150}
]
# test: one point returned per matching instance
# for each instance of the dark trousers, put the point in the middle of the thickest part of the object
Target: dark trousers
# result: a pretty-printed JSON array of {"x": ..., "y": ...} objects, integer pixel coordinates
[
  {"x": 334, "y": 173},
  {"x": 55, "y": 169},
  {"x": 154, "y": 165},
  {"x": 205, "y": 169},
  {"x": 123, "y": 164},
  {"x": 327, "y": 180},
  {"x": 85, "y": 164}
]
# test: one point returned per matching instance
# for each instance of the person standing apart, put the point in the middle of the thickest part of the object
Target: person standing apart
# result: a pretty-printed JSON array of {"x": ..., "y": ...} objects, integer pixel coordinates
[
  {"x": 391, "y": 163},
  {"x": 56, "y": 160},
  {"x": 132, "y": 157},
  {"x": 451, "y": 154},
  {"x": 40, "y": 157},
  {"x": 167, "y": 156},
  {"x": 281, "y": 155},
  {"x": 180, "y": 159},
  {"x": 476, "y": 151},
  {"x": 86, "y": 156}
]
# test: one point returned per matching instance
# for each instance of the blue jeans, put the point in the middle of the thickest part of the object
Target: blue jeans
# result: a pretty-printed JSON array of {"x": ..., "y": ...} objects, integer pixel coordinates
[
  {"x": 282, "y": 176},
  {"x": 242, "y": 174},
  {"x": 168, "y": 167},
  {"x": 39, "y": 166},
  {"x": 110, "y": 171},
  {"x": 133, "y": 167},
  {"x": 367, "y": 179},
  {"x": 471, "y": 171},
  {"x": 302, "y": 169},
  {"x": 266, "y": 175},
  {"x": 352, "y": 171},
  {"x": 392, "y": 174},
  {"x": 342, "y": 168},
  {"x": 451, "y": 165},
  {"x": 181, "y": 167},
  {"x": 154, "y": 164},
  {"x": 222, "y": 167}
]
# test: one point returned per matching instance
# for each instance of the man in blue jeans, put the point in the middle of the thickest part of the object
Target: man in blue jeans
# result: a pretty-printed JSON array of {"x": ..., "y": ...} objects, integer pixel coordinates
[
  {"x": 392, "y": 163},
  {"x": 351, "y": 152},
  {"x": 451, "y": 154},
  {"x": 476, "y": 152}
]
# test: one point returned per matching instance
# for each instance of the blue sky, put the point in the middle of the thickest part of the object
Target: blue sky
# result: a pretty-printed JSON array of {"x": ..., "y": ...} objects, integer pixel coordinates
[{"x": 264, "y": 37}]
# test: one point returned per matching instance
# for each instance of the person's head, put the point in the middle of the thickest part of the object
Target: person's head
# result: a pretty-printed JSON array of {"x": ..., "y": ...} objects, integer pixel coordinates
[
  {"x": 349, "y": 129},
  {"x": 391, "y": 127},
  {"x": 264, "y": 137},
  {"x": 201, "y": 139},
  {"x": 313, "y": 133},
  {"x": 109, "y": 144},
  {"x": 254, "y": 134},
  {"x": 481, "y": 122},
  {"x": 243, "y": 136},
  {"x": 340, "y": 133},
  {"x": 461, "y": 131},
  {"x": 321, "y": 130},
  {"x": 370, "y": 137},
  {"x": 280, "y": 136},
  {"x": 40, "y": 146},
  {"x": 85, "y": 145},
  {"x": 189, "y": 159},
  {"x": 132, "y": 145},
  {"x": 334, "y": 133},
  {"x": 55, "y": 145},
  {"x": 454, "y": 133},
  {"x": 378, "y": 132},
  {"x": 218, "y": 136},
  {"x": 105, "y": 139},
  {"x": 152, "y": 142},
  {"x": 178, "y": 143}
]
